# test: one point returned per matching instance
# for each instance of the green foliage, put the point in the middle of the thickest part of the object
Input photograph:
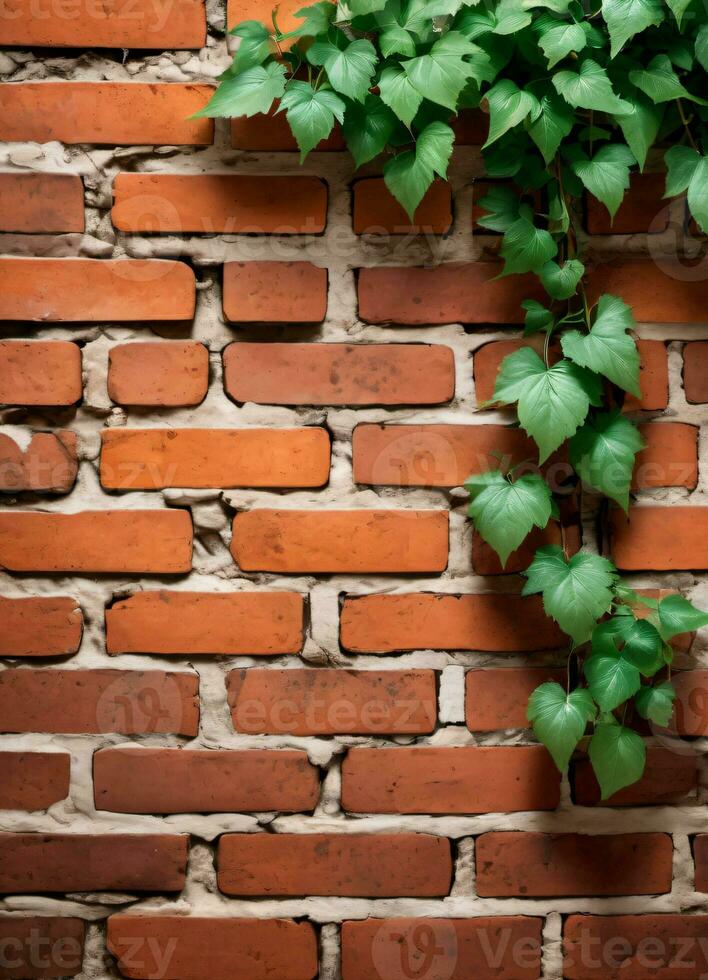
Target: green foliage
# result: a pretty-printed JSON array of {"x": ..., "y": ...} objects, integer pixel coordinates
[{"x": 577, "y": 97}]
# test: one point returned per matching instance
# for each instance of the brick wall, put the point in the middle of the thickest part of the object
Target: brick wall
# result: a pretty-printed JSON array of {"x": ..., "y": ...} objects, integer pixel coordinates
[{"x": 262, "y": 691}]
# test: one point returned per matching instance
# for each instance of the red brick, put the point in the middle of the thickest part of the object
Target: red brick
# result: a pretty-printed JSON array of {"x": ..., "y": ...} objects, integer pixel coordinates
[
  {"x": 454, "y": 293},
  {"x": 89, "y": 702},
  {"x": 40, "y": 203},
  {"x": 660, "y": 538},
  {"x": 425, "y": 621},
  {"x": 167, "y": 374},
  {"x": 332, "y": 701},
  {"x": 95, "y": 290},
  {"x": 658, "y": 292},
  {"x": 670, "y": 458},
  {"x": 229, "y": 203},
  {"x": 450, "y": 780},
  {"x": 500, "y": 947},
  {"x": 126, "y": 24},
  {"x": 691, "y": 706},
  {"x": 700, "y": 856},
  {"x": 497, "y": 698},
  {"x": 377, "y": 212},
  {"x": 48, "y": 464},
  {"x": 194, "y": 623},
  {"x": 338, "y": 541},
  {"x": 274, "y": 292},
  {"x": 485, "y": 560},
  {"x": 38, "y": 372},
  {"x": 86, "y": 863},
  {"x": 433, "y": 455},
  {"x": 181, "y": 781},
  {"x": 347, "y": 865},
  {"x": 339, "y": 374},
  {"x": 535, "y": 865},
  {"x": 668, "y": 778},
  {"x": 41, "y": 626},
  {"x": 152, "y": 459},
  {"x": 643, "y": 947},
  {"x": 271, "y": 131},
  {"x": 217, "y": 948},
  {"x": 33, "y": 780},
  {"x": 695, "y": 372},
  {"x": 105, "y": 113},
  {"x": 642, "y": 210},
  {"x": 471, "y": 127},
  {"x": 40, "y": 947},
  {"x": 129, "y": 541}
]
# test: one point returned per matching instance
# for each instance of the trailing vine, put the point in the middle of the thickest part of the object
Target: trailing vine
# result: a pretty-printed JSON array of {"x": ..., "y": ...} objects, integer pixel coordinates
[{"x": 577, "y": 94}]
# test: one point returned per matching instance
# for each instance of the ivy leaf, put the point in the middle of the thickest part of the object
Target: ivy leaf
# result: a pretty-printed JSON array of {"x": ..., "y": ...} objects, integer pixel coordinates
[
  {"x": 349, "y": 69},
  {"x": 698, "y": 194},
  {"x": 702, "y": 46},
  {"x": 504, "y": 513},
  {"x": 603, "y": 454},
  {"x": 618, "y": 756},
  {"x": 511, "y": 16},
  {"x": 310, "y": 114},
  {"x": 552, "y": 402},
  {"x": 606, "y": 176},
  {"x": 678, "y": 8},
  {"x": 251, "y": 92},
  {"x": 501, "y": 205},
  {"x": 508, "y": 106},
  {"x": 659, "y": 81},
  {"x": 367, "y": 129},
  {"x": 559, "y": 719},
  {"x": 316, "y": 18},
  {"x": 557, "y": 42},
  {"x": 576, "y": 591},
  {"x": 656, "y": 703},
  {"x": 640, "y": 125},
  {"x": 441, "y": 74},
  {"x": 399, "y": 95},
  {"x": 625, "y": 18},
  {"x": 409, "y": 175},
  {"x": 255, "y": 45},
  {"x": 561, "y": 281},
  {"x": 553, "y": 123},
  {"x": 610, "y": 676},
  {"x": 588, "y": 88},
  {"x": 643, "y": 647},
  {"x": 434, "y": 147},
  {"x": 678, "y": 615},
  {"x": 537, "y": 318},
  {"x": 607, "y": 349},
  {"x": 360, "y": 8},
  {"x": 681, "y": 164},
  {"x": 526, "y": 248}
]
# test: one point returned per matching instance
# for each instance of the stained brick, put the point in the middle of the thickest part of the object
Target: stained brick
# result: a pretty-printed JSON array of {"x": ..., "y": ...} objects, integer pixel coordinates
[
  {"x": 695, "y": 371},
  {"x": 168, "y": 374},
  {"x": 39, "y": 626},
  {"x": 40, "y": 203},
  {"x": 48, "y": 464},
  {"x": 377, "y": 212},
  {"x": 33, "y": 780},
  {"x": 691, "y": 705},
  {"x": 658, "y": 292},
  {"x": 275, "y": 292},
  {"x": 669, "y": 777},
  {"x": 642, "y": 210},
  {"x": 38, "y": 372},
  {"x": 38, "y": 947},
  {"x": 660, "y": 538},
  {"x": 497, "y": 698},
  {"x": 670, "y": 458}
]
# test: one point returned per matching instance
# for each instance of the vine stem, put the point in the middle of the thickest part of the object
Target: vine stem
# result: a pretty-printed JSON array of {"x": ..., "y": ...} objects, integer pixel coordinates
[{"x": 686, "y": 126}]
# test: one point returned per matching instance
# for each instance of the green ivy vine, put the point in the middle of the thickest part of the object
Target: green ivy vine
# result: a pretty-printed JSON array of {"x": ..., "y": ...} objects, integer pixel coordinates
[{"x": 576, "y": 93}]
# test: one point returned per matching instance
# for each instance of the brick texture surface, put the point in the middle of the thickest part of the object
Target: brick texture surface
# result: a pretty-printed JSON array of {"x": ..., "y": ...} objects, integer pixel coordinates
[
  {"x": 33, "y": 780},
  {"x": 41, "y": 203},
  {"x": 162, "y": 375},
  {"x": 274, "y": 292},
  {"x": 48, "y": 464},
  {"x": 59, "y": 942},
  {"x": 377, "y": 212},
  {"x": 39, "y": 627},
  {"x": 36, "y": 372}
]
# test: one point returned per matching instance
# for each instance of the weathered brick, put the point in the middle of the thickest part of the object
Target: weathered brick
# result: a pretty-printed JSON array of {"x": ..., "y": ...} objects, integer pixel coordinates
[
  {"x": 332, "y": 701},
  {"x": 48, "y": 464},
  {"x": 670, "y": 457},
  {"x": 271, "y": 131},
  {"x": 39, "y": 947},
  {"x": 454, "y": 293},
  {"x": 536, "y": 865},
  {"x": 33, "y": 780},
  {"x": 669, "y": 777},
  {"x": 700, "y": 857},
  {"x": 275, "y": 292},
  {"x": 332, "y": 541},
  {"x": 347, "y": 865},
  {"x": 450, "y": 780},
  {"x": 660, "y": 538},
  {"x": 126, "y": 24},
  {"x": 339, "y": 374},
  {"x": 181, "y": 781},
  {"x": 643, "y": 208},
  {"x": 152, "y": 459},
  {"x": 39, "y": 372},
  {"x": 194, "y": 623},
  {"x": 645, "y": 947},
  {"x": 497, "y": 698},
  {"x": 424, "y": 621},
  {"x": 691, "y": 705},
  {"x": 39, "y": 626},
  {"x": 228, "y": 203},
  {"x": 40, "y": 203},
  {"x": 105, "y": 113},
  {"x": 695, "y": 371},
  {"x": 95, "y": 290},
  {"x": 500, "y": 947},
  {"x": 87, "y": 863},
  {"x": 128, "y": 702},
  {"x": 160, "y": 374},
  {"x": 219, "y": 948},
  {"x": 129, "y": 541},
  {"x": 666, "y": 292},
  {"x": 377, "y": 212}
]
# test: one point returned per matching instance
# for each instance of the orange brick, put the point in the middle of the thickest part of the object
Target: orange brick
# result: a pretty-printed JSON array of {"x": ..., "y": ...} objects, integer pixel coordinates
[
  {"x": 159, "y": 374},
  {"x": 485, "y": 560},
  {"x": 338, "y": 541},
  {"x": 39, "y": 626},
  {"x": 691, "y": 705},
  {"x": 152, "y": 459},
  {"x": 666, "y": 292},
  {"x": 642, "y": 210},
  {"x": 40, "y": 203},
  {"x": 39, "y": 372},
  {"x": 229, "y": 203},
  {"x": 61, "y": 941},
  {"x": 670, "y": 458},
  {"x": 261, "y": 10},
  {"x": 274, "y": 292},
  {"x": 33, "y": 780},
  {"x": 271, "y": 131},
  {"x": 669, "y": 777},
  {"x": 660, "y": 538},
  {"x": 695, "y": 372},
  {"x": 95, "y": 290},
  {"x": 497, "y": 698},
  {"x": 49, "y": 464},
  {"x": 377, "y": 212}
]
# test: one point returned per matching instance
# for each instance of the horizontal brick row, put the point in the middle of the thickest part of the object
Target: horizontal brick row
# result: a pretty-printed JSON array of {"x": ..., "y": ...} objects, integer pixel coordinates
[{"x": 48, "y": 464}]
